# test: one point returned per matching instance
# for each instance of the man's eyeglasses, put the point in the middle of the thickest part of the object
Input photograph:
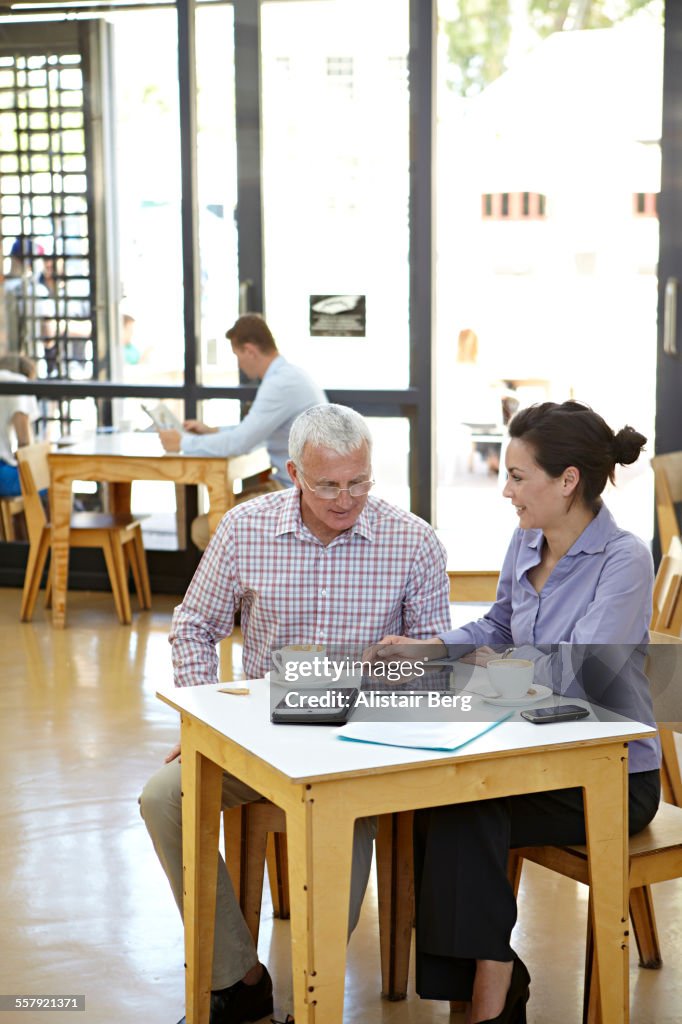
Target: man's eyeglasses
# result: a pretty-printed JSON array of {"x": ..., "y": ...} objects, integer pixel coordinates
[{"x": 329, "y": 493}]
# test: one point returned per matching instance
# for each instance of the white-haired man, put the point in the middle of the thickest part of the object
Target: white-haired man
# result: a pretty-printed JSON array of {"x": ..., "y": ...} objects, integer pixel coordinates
[{"x": 322, "y": 562}]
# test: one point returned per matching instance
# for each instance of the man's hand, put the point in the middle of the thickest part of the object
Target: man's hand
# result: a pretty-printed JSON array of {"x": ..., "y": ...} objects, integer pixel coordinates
[
  {"x": 197, "y": 427},
  {"x": 404, "y": 648},
  {"x": 170, "y": 439},
  {"x": 175, "y": 752}
]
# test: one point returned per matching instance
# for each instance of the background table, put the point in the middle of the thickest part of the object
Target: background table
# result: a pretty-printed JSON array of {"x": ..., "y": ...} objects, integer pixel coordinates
[
  {"x": 120, "y": 459},
  {"x": 324, "y": 784}
]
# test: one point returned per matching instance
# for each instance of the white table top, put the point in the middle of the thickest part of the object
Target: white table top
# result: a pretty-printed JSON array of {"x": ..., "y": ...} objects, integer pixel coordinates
[
  {"x": 135, "y": 444},
  {"x": 305, "y": 753}
]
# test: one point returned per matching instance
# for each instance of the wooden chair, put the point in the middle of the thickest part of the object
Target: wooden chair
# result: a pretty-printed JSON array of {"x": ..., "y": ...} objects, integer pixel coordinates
[
  {"x": 668, "y": 487},
  {"x": 256, "y": 832},
  {"x": 667, "y": 613},
  {"x": 10, "y": 506},
  {"x": 655, "y": 855},
  {"x": 119, "y": 537},
  {"x": 396, "y": 883}
]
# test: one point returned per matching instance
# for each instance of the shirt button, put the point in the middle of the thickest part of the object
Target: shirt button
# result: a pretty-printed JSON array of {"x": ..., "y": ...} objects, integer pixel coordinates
[
  {"x": 321, "y": 632},
  {"x": 323, "y": 592}
]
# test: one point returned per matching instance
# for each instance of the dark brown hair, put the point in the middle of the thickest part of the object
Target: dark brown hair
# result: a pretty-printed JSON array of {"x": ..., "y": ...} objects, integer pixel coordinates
[
  {"x": 252, "y": 327},
  {"x": 572, "y": 434}
]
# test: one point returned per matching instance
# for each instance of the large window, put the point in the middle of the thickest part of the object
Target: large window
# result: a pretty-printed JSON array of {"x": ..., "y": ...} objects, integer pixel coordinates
[
  {"x": 336, "y": 184},
  {"x": 546, "y": 272}
]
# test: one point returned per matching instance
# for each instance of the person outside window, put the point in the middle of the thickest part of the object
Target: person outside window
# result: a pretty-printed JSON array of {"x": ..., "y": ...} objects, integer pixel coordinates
[{"x": 285, "y": 391}]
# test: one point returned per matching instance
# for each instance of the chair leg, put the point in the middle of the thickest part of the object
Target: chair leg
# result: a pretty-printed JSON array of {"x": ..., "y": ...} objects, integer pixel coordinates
[
  {"x": 644, "y": 926},
  {"x": 37, "y": 554},
  {"x": 122, "y": 573},
  {"x": 670, "y": 768},
  {"x": 591, "y": 1009},
  {"x": 48, "y": 589},
  {"x": 146, "y": 598},
  {"x": 245, "y": 846},
  {"x": 232, "y": 832},
  {"x": 277, "y": 859},
  {"x": 514, "y": 869},
  {"x": 112, "y": 569},
  {"x": 7, "y": 523},
  {"x": 130, "y": 557},
  {"x": 254, "y": 844},
  {"x": 395, "y": 890}
]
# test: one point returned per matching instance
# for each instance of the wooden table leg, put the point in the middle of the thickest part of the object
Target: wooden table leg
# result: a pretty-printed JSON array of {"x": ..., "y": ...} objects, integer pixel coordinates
[
  {"x": 605, "y": 812},
  {"x": 60, "y": 513},
  {"x": 219, "y": 499},
  {"x": 120, "y": 494},
  {"x": 320, "y": 838},
  {"x": 201, "y": 798}
]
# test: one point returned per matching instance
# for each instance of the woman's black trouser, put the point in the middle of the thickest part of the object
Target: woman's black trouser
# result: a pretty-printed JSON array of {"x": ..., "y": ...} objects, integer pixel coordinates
[{"x": 465, "y": 905}]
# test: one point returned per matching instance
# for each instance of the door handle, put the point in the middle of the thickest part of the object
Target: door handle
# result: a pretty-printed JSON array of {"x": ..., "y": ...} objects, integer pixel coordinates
[{"x": 670, "y": 317}]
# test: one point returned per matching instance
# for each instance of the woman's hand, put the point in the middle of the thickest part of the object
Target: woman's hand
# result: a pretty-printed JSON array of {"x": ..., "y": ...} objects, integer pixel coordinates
[{"x": 481, "y": 656}]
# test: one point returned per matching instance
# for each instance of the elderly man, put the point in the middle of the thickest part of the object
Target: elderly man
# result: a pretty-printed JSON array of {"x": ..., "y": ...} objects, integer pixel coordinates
[
  {"x": 284, "y": 392},
  {"x": 322, "y": 562}
]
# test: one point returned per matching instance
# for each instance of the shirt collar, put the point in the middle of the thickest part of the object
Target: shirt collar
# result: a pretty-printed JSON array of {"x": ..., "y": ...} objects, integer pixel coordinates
[
  {"x": 290, "y": 521},
  {"x": 274, "y": 366},
  {"x": 591, "y": 541},
  {"x": 596, "y": 534}
]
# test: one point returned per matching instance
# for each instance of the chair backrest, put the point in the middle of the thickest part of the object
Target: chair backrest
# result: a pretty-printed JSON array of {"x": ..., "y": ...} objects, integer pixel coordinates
[
  {"x": 667, "y": 610},
  {"x": 664, "y": 672},
  {"x": 668, "y": 484},
  {"x": 34, "y": 476}
]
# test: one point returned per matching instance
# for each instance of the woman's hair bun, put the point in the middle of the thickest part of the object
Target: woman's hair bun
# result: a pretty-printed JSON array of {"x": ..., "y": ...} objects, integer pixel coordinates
[{"x": 627, "y": 445}]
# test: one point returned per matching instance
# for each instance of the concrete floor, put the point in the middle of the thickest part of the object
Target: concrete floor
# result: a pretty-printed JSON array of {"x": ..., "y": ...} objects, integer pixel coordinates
[{"x": 84, "y": 905}]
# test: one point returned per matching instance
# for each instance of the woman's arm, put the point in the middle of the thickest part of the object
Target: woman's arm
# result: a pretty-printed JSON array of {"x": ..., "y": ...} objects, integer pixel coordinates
[{"x": 494, "y": 628}]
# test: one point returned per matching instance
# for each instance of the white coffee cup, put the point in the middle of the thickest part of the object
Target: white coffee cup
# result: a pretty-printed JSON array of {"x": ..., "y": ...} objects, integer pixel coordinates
[
  {"x": 510, "y": 678},
  {"x": 296, "y": 664}
]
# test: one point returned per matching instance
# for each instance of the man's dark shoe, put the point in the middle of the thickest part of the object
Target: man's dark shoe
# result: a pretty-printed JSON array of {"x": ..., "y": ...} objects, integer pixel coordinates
[{"x": 240, "y": 1003}]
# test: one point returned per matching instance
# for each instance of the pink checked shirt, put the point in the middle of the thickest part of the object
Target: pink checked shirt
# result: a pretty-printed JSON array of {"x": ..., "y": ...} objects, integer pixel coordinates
[{"x": 385, "y": 575}]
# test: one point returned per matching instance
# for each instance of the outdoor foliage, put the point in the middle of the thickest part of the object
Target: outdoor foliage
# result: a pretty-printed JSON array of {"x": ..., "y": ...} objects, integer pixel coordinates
[{"x": 478, "y": 39}]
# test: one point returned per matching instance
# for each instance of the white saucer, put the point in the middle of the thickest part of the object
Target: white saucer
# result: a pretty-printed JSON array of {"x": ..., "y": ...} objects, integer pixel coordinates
[{"x": 541, "y": 693}]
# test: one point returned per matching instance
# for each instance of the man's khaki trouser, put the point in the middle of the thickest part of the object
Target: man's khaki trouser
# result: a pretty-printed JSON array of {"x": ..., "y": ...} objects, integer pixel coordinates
[{"x": 234, "y": 951}]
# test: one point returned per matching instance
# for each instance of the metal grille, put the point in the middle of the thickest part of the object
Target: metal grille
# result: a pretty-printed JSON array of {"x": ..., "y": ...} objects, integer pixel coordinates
[{"x": 44, "y": 213}]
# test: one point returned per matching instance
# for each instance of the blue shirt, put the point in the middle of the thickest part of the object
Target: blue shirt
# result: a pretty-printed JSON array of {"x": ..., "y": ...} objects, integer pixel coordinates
[
  {"x": 594, "y": 610},
  {"x": 284, "y": 393}
]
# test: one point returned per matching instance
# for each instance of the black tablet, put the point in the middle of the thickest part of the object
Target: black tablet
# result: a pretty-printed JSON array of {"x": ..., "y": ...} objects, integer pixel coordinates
[{"x": 315, "y": 707}]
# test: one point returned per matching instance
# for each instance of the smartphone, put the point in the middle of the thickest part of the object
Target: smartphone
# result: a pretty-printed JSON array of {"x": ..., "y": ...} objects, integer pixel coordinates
[
  {"x": 315, "y": 707},
  {"x": 560, "y": 713}
]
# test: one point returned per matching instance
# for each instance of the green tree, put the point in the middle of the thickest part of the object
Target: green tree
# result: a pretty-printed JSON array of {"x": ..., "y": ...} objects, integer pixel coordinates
[{"x": 478, "y": 38}]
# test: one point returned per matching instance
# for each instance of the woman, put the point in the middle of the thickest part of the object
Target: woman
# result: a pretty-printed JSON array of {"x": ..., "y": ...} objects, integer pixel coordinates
[{"x": 570, "y": 578}]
